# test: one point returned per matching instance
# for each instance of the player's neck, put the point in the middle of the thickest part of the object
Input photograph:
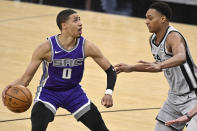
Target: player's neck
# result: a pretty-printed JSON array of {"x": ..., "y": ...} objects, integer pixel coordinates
[
  {"x": 66, "y": 41},
  {"x": 160, "y": 34}
]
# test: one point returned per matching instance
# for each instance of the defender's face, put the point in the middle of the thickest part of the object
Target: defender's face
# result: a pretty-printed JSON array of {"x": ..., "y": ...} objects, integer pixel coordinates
[
  {"x": 73, "y": 25},
  {"x": 154, "y": 20}
]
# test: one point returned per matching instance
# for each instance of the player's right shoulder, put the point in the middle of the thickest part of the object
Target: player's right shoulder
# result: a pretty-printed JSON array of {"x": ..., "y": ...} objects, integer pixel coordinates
[
  {"x": 43, "y": 50},
  {"x": 44, "y": 47}
]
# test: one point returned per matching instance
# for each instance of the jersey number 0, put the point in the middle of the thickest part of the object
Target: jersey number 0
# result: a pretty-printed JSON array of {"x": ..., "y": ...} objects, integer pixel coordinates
[{"x": 66, "y": 73}]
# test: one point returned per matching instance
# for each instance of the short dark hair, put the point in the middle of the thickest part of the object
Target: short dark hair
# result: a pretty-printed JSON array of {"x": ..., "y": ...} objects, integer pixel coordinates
[
  {"x": 63, "y": 17},
  {"x": 163, "y": 8}
]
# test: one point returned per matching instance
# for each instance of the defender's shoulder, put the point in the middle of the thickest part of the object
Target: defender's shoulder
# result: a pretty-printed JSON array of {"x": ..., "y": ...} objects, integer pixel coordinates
[{"x": 174, "y": 35}]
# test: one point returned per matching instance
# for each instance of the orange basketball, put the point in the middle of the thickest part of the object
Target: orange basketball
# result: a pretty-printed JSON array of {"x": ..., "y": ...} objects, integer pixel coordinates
[{"x": 18, "y": 98}]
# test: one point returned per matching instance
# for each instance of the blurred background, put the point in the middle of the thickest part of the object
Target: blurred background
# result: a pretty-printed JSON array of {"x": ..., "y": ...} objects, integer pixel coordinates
[{"x": 184, "y": 11}]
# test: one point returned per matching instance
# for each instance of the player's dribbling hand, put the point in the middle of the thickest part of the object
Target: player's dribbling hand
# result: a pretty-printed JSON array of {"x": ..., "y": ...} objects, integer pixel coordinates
[
  {"x": 3, "y": 93},
  {"x": 107, "y": 101},
  {"x": 122, "y": 68},
  {"x": 182, "y": 119}
]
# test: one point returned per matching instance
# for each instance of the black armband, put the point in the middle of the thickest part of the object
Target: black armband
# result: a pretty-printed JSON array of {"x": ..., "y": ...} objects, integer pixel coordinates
[
  {"x": 189, "y": 117},
  {"x": 111, "y": 77}
]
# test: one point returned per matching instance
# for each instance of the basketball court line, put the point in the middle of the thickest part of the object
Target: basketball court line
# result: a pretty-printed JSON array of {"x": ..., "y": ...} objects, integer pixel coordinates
[
  {"x": 24, "y": 18},
  {"x": 123, "y": 110}
]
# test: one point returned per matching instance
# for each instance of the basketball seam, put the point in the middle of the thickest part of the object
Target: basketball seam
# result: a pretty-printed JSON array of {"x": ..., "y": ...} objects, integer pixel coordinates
[
  {"x": 26, "y": 106},
  {"x": 18, "y": 107},
  {"x": 16, "y": 98},
  {"x": 25, "y": 95}
]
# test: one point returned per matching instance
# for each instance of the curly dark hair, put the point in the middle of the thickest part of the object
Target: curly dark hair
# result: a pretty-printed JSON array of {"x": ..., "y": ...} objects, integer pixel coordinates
[
  {"x": 163, "y": 8},
  {"x": 63, "y": 17}
]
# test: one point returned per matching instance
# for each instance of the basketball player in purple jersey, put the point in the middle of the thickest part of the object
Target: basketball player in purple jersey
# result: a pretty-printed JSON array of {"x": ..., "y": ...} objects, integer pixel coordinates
[{"x": 63, "y": 58}]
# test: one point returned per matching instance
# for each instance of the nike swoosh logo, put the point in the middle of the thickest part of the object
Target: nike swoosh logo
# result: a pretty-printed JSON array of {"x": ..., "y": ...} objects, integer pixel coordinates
[{"x": 56, "y": 52}]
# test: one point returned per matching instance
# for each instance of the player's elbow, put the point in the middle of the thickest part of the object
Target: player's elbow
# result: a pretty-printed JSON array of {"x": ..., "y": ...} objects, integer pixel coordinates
[{"x": 182, "y": 58}]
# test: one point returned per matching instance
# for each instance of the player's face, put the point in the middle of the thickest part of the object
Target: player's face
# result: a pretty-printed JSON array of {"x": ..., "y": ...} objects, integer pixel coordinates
[
  {"x": 73, "y": 25},
  {"x": 154, "y": 20}
]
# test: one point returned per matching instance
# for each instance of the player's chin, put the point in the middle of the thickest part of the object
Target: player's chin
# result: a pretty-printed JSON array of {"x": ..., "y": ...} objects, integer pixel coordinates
[
  {"x": 151, "y": 31},
  {"x": 78, "y": 34}
]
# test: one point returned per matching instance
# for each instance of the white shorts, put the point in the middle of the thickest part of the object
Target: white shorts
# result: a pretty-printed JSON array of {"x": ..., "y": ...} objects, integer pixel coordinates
[{"x": 171, "y": 111}]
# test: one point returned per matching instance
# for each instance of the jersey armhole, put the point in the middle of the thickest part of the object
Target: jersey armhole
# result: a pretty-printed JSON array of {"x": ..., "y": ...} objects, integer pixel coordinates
[
  {"x": 52, "y": 52},
  {"x": 83, "y": 48},
  {"x": 150, "y": 41},
  {"x": 165, "y": 48}
]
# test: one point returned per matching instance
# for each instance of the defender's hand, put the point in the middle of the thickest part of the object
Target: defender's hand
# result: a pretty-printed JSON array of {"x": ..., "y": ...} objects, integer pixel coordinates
[
  {"x": 151, "y": 66},
  {"x": 3, "y": 94},
  {"x": 107, "y": 101},
  {"x": 122, "y": 68},
  {"x": 182, "y": 119}
]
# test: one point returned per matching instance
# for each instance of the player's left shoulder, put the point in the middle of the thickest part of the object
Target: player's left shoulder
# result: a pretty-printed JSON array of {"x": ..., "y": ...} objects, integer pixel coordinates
[
  {"x": 90, "y": 49},
  {"x": 89, "y": 45},
  {"x": 174, "y": 37}
]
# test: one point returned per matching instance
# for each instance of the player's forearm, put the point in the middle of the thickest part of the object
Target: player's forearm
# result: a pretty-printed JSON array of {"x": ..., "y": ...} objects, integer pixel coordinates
[
  {"x": 23, "y": 80},
  {"x": 26, "y": 78},
  {"x": 139, "y": 68},
  {"x": 193, "y": 112},
  {"x": 111, "y": 80},
  {"x": 174, "y": 61},
  {"x": 20, "y": 81}
]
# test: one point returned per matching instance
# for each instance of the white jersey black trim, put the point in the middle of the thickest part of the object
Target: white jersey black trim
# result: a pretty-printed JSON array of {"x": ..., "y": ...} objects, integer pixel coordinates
[
  {"x": 150, "y": 40},
  {"x": 185, "y": 74},
  {"x": 183, "y": 78},
  {"x": 165, "y": 49},
  {"x": 188, "y": 69},
  {"x": 153, "y": 41}
]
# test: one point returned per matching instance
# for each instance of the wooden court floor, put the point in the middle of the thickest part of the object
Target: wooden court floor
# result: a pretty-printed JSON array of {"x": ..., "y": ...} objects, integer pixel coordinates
[{"x": 137, "y": 96}]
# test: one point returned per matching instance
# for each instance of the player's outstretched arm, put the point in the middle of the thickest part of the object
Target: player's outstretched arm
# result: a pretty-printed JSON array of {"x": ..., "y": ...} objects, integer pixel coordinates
[
  {"x": 174, "y": 43},
  {"x": 184, "y": 118},
  {"x": 91, "y": 50},
  {"x": 39, "y": 54},
  {"x": 143, "y": 66}
]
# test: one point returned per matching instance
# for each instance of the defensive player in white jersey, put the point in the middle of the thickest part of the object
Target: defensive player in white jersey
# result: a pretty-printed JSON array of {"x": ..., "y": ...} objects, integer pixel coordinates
[{"x": 172, "y": 56}]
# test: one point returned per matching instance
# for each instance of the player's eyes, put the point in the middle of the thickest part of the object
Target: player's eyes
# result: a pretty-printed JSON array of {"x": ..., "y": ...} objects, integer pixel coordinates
[
  {"x": 149, "y": 18},
  {"x": 77, "y": 19}
]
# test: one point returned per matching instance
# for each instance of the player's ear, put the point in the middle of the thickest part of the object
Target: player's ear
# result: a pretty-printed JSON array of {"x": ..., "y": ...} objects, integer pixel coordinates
[
  {"x": 163, "y": 19},
  {"x": 64, "y": 25}
]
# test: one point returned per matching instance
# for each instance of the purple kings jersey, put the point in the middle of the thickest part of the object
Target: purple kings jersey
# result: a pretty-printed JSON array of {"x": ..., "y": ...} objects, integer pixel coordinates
[{"x": 66, "y": 68}]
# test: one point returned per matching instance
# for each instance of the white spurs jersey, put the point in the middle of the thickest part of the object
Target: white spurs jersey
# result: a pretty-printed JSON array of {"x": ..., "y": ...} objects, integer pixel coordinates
[{"x": 182, "y": 79}]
